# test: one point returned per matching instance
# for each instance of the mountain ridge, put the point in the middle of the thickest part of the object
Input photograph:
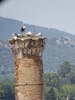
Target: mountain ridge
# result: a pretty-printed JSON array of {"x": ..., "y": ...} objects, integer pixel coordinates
[
  {"x": 9, "y": 26},
  {"x": 60, "y": 46}
]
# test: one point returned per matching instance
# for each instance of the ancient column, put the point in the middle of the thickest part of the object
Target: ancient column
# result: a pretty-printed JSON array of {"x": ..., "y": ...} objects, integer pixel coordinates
[{"x": 28, "y": 67}]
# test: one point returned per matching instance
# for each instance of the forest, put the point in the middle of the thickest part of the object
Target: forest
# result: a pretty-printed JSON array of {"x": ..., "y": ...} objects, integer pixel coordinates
[{"x": 58, "y": 85}]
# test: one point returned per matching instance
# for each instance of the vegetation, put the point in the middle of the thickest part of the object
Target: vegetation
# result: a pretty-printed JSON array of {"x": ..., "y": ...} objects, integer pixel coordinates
[
  {"x": 58, "y": 85},
  {"x": 6, "y": 90}
]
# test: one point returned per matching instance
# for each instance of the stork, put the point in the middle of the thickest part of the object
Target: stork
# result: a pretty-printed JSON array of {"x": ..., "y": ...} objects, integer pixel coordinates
[
  {"x": 23, "y": 28},
  {"x": 14, "y": 36},
  {"x": 38, "y": 34}
]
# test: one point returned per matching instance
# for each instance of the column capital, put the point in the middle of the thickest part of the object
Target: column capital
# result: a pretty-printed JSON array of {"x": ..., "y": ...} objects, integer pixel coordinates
[{"x": 27, "y": 44}]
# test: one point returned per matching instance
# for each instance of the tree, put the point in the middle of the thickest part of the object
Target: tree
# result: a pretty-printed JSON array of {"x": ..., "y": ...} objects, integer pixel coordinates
[
  {"x": 51, "y": 79},
  {"x": 51, "y": 94},
  {"x": 7, "y": 90},
  {"x": 64, "y": 69},
  {"x": 68, "y": 91}
]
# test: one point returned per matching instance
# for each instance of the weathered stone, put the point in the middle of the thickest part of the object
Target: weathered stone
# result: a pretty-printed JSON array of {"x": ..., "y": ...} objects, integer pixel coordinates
[{"x": 28, "y": 67}]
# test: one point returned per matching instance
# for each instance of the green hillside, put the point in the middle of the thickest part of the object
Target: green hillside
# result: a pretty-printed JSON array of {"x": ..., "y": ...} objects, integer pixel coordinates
[
  {"x": 58, "y": 61},
  {"x": 60, "y": 46}
]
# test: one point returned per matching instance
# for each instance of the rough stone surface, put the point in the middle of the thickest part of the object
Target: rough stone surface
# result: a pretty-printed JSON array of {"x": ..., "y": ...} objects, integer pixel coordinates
[
  {"x": 29, "y": 92},
  {"x": 28, "y": 78}
]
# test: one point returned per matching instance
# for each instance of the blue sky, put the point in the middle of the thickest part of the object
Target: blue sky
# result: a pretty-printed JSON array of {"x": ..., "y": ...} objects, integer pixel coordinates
[{"x": 58, "y": 14}]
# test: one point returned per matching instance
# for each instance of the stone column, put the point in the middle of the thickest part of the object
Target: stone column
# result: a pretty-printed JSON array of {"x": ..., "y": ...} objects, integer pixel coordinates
[
  {"x": 28, "y": 72},
  {"x": 28, "y": 78}
]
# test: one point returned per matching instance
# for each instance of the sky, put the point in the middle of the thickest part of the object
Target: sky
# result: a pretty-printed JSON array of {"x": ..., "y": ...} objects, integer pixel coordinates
[{"x": 59, "y": 14}]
